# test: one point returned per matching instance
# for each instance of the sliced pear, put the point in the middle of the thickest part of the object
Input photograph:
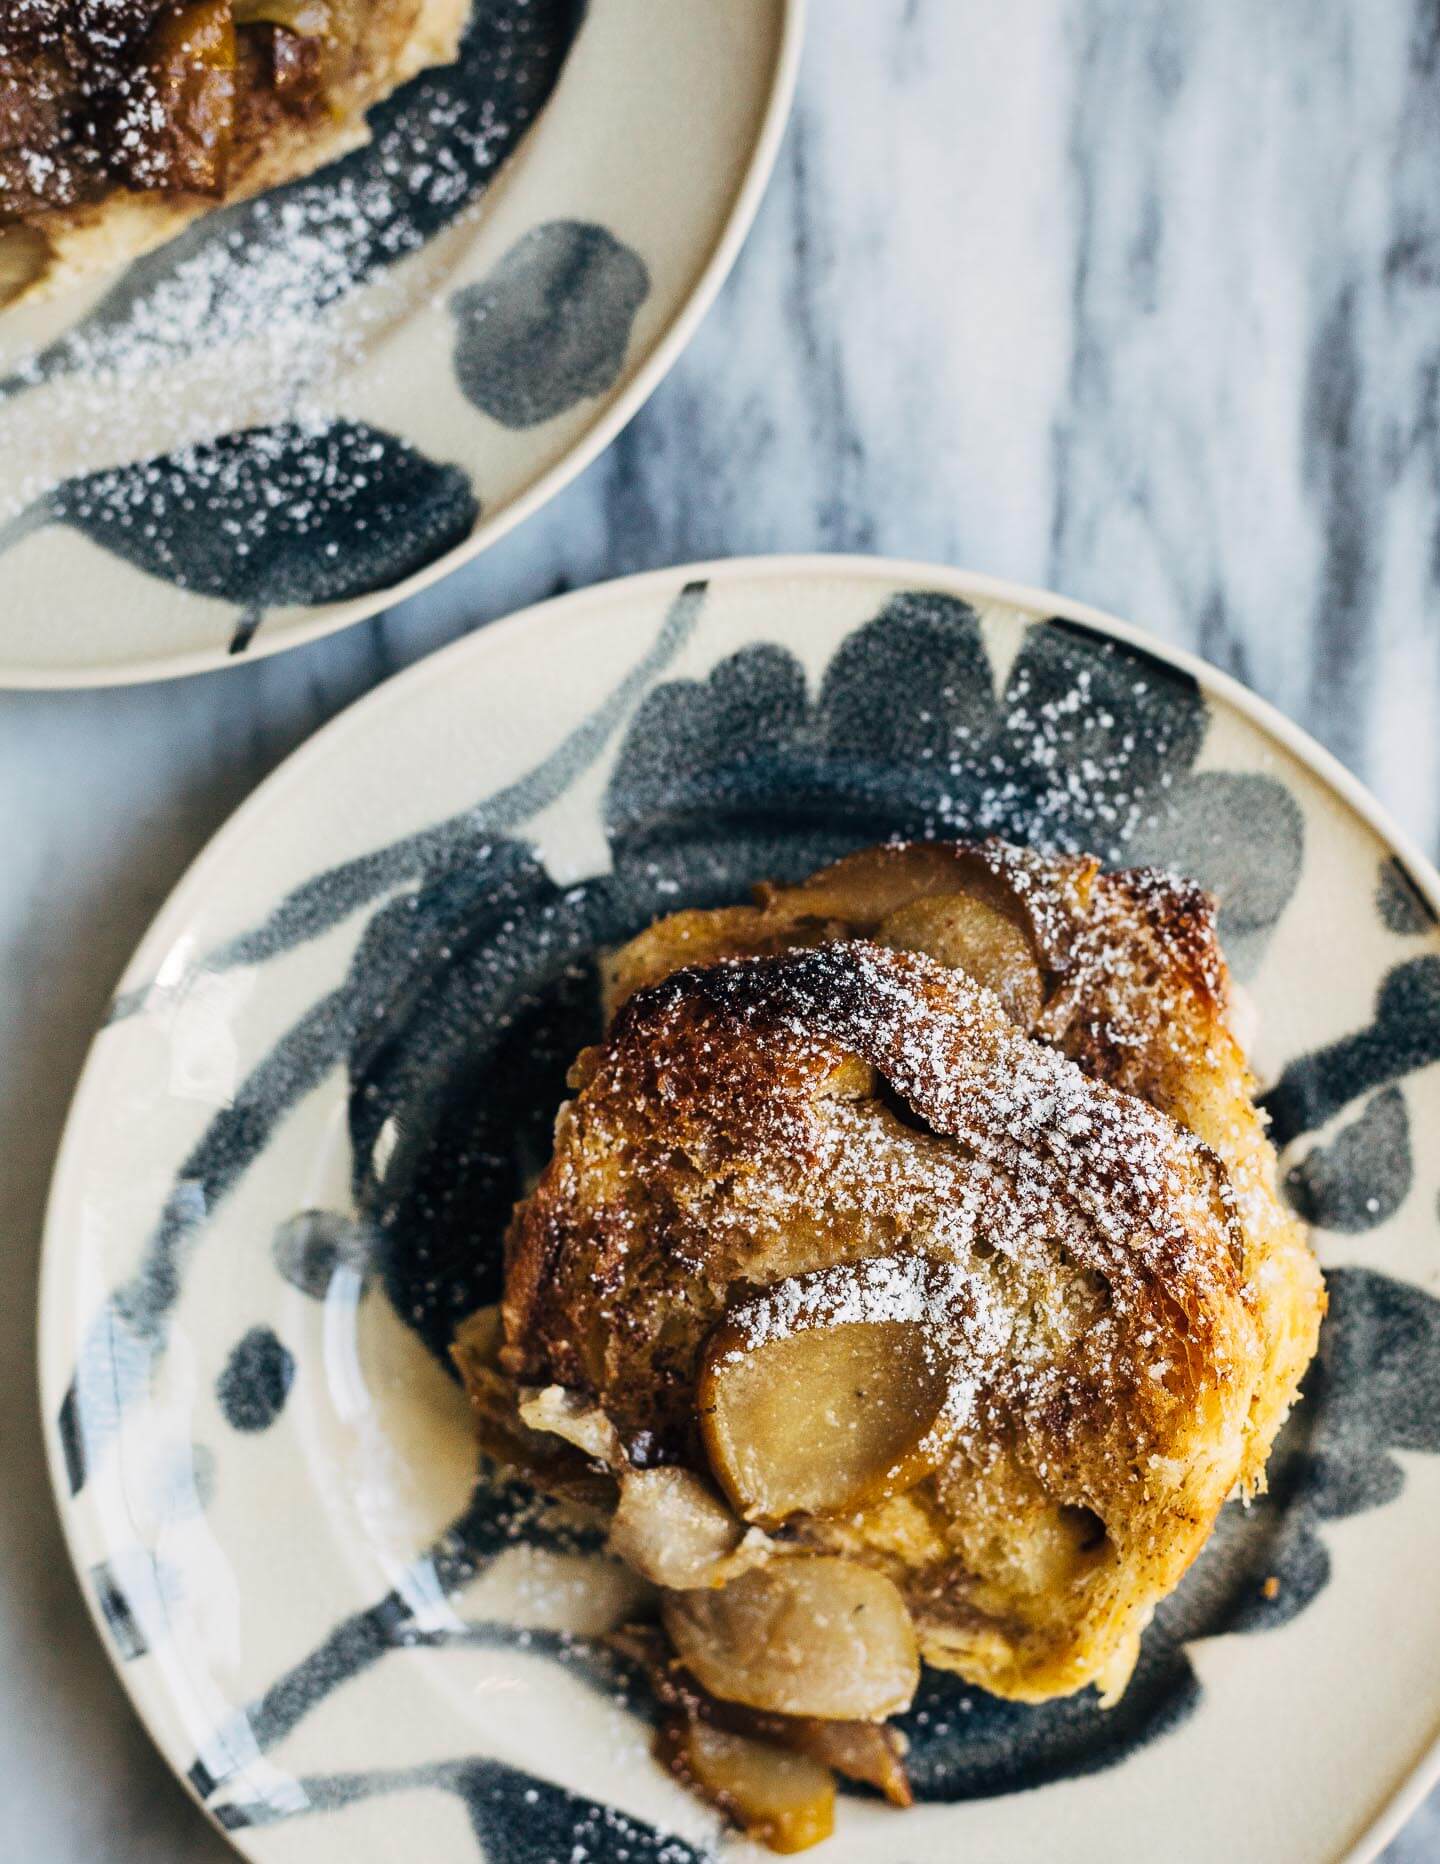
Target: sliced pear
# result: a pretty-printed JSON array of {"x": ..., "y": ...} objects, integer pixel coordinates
[
  {"x": 802, "y": 1635},
  {"x": 971, "y": 935},
  {"x": 779, "y": 1798},
  {"x": 865, "y": 1751},
  {"x": 1003, "y": 916},
  {"x": 187, "y": 128},
  {"x": 576, "y": 1420},
  {"x": 673, "y": 1529},
  {"x": 831, "y": 1410},
  {"x": 859, "y": 1750}
]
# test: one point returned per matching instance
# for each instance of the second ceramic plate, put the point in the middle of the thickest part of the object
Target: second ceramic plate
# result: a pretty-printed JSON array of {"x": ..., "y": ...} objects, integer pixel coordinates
[
  {"x": 336, "y": 1058},
  {"x": 312, "y": 403}
]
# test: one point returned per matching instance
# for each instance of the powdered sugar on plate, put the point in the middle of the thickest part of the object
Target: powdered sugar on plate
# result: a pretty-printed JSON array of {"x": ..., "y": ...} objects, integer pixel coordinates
[{"x": 260, "y": 312}]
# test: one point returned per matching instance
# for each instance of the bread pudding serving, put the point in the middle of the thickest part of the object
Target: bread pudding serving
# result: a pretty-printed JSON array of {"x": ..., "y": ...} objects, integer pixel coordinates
[
  {"x": 122, "y": 120},
  {"x": 909, "y": 1284}
]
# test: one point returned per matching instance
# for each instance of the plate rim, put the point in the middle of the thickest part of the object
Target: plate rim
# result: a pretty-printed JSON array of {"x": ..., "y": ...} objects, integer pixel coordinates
[
  {"x": 734, "y": 229},
  {"x": 1415, "y": 1783}
]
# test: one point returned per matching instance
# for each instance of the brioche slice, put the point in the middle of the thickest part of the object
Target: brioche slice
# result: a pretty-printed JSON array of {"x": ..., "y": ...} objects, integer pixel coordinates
[
  {"x": 1133, "y": 986},
  {"x": 922, "y": 1222}
]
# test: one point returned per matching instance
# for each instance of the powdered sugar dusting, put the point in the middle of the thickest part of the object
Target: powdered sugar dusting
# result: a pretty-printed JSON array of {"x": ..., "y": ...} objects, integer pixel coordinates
[
  {"x": 962, "y": 1326},
  {"x": 1145, "y": 1188},
  {"x": 883, "y": 1288},
  {"x": 779, "y": 1126},
  {"x": 261, "y": 312}
]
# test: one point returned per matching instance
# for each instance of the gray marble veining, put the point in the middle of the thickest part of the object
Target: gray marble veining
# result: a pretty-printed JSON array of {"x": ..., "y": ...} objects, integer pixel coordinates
[{"x": 1140, "y": 301}]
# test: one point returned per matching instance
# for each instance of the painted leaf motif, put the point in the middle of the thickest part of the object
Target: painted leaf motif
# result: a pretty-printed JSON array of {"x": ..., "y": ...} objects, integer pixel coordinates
[
  {"x": 550, "y": 326},
  {"x": 274, "y": 516}
]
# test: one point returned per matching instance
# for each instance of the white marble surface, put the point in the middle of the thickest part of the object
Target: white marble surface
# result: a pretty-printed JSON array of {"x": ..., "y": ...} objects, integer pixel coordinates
[{"x": 1135, "y": 299}]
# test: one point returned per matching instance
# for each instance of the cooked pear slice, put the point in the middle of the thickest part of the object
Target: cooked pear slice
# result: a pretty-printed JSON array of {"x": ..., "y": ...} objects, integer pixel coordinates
[
  {"x": 827, "y": 1414},
  {"x": 859, "y": 1750},
  {"x": 866, "y": 1751},
  {"x": 933, "y": 898},
  {"x": 782, "y": 1799},
  {"x": 802, "y": 1635},
  {"x": 971, "y": 935},
  {"x": 574, "y": 1419},
  {"x": 673, "y": 1529}
]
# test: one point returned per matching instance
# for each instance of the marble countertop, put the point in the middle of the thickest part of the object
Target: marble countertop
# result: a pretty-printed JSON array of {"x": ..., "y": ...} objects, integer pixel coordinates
[{"x": 1139, "y": 302}]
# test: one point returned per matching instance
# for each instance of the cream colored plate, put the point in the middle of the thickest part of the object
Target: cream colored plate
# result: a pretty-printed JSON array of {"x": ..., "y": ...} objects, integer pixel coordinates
[{"x": 335, "y": 1057}]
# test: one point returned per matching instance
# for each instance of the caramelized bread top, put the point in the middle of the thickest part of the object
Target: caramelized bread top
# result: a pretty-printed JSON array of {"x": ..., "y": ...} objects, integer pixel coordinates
[{"x": 984, "y": 1110}]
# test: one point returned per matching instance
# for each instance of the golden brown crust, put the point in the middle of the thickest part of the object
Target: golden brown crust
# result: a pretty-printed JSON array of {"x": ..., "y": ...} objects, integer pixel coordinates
[
  {"x": 1130, "y": 1303},
  {"x": 1149, "y": 1011}
]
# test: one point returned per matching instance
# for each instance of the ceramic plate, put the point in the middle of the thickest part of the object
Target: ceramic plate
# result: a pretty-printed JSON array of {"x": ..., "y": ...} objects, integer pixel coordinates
[
  {"x": 312, "y": 403},
  {"x": 335, "y": 1059}
]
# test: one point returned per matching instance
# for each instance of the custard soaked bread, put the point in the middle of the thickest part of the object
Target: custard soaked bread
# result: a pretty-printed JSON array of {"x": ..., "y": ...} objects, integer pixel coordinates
[
  {"x": 1121, "y": 972},
  {"x": 911, "y": 1262}
]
